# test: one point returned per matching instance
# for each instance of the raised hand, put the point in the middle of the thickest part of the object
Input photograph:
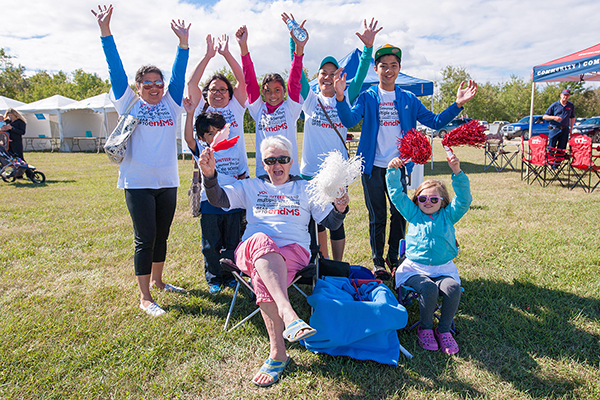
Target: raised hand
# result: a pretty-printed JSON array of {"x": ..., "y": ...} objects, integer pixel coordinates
[
  {"x": 181, "y": 31},
  {"x": 242, "y": 38},
  {"x": 465, "y": 93},
  {"x": 339, "y": 82},
  {"x": 207, "y": 163},
  {"x": 396, "y": 163},
  {"x": 189, "y": 105},
  {"x": 103, "y": 17},
  {"x": 368, "y": 36},
  {"x": 211, "y": 47},
  {"x": 223, "y": 47},
  {"x": 454, "y": 164}
]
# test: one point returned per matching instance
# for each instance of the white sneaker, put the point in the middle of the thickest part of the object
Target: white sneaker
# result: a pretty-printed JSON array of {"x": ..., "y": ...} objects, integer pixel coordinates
[{"x": 153, "y": 310}]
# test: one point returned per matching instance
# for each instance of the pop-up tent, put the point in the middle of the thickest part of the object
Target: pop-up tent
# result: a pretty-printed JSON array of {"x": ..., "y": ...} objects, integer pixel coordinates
[
  {"x": 581, "y": 66},
  {"x": 46, "y": 111},
  {"x": 92, "y": 117},
  {"x": 350, "y": 62},
  {"x": 6, "y": 103}
]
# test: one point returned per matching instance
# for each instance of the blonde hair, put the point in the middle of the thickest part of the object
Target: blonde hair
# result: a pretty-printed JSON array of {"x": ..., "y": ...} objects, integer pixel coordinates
[
  {"x": 431, "y": 183},
  {"x": 15, "y": 113}
]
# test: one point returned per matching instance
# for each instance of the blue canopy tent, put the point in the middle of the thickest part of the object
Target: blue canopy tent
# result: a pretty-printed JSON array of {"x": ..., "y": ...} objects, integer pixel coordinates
[
  {"x": 419, "y": 87},
  {"x": 581, "y": 66}
]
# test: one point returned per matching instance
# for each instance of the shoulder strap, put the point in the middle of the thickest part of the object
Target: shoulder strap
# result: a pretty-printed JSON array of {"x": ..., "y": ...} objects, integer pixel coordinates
[{"x": 332, "y": 124}]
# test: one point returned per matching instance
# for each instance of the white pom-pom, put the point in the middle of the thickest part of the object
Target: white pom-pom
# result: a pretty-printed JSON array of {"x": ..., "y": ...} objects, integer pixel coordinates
[{"x": 335, "y": 175}]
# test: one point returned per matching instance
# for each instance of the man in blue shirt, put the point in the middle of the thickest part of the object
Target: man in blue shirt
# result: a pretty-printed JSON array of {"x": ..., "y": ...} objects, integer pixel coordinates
[{"x": 561, "y": 115}]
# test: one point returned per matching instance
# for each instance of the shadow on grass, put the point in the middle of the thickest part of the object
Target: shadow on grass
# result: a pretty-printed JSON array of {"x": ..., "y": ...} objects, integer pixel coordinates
[{"x": 29, "y": 184}]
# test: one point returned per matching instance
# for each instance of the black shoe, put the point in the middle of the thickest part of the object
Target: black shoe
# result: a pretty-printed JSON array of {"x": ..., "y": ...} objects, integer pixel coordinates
[{"x": 381, "y": 273}]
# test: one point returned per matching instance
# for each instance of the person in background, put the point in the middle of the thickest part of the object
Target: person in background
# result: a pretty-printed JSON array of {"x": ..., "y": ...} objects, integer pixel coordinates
[
  {"x": 561, "y": 115},
  {"x": 149, "y": 172},
  {"x": 15, "y": 126}
]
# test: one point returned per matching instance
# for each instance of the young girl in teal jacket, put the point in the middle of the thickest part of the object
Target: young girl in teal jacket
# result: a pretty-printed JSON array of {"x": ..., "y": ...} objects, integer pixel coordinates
[{"x": 430, "y": 249}]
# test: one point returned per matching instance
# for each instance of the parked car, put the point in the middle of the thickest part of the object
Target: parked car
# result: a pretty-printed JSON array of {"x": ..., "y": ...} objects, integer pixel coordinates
[
  {"x": 451, "y": 125},
  {"x": 521, "y": 128},
  {"x": 486, "y": 124},
  {"x": 578, "y": 121},
  {"x": 590, "y": 127}
]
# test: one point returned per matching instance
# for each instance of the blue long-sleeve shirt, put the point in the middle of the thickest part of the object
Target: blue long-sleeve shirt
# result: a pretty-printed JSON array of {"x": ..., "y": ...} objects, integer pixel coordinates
[{"x": 118, "y": 77}]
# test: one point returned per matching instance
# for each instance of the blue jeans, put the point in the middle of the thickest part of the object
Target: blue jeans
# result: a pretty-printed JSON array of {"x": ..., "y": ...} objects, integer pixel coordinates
[
  {"x": 221, "y": 234},
  {"x": 375, "y": 190}
]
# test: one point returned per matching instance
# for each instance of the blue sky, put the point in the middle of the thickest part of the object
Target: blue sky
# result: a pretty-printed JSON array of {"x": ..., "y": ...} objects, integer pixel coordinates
[{"x": 492, "y": 39}]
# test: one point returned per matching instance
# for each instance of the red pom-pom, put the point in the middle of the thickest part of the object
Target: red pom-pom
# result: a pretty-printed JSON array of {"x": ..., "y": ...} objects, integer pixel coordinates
[
  {"x": 415, "y": 147},
  {"x": 469, "y": 134}
]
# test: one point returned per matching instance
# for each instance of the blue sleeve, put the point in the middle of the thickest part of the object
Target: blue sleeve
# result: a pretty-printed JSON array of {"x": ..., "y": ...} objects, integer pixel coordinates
[
  {"x": 304, "y": 85},
  {"x": 177, "y": 83},
  {"x": 118, "y": 77},
  {"x": 462, "y": 201},
  {"x": 361, "y": 74},
  {"x": 400, "y": 200},
  {"x": 351, "y": 116},
  {"x": 437, "y": 121}
]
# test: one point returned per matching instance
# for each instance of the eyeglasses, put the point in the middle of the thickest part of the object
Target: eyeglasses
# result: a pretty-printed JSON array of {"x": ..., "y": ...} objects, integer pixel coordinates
[
  {"x": 215, "y": 91},
  {"x": 432, "y": 199},
  {"x": 148, "y": 84},
  {"x": 281, "y": 160}
]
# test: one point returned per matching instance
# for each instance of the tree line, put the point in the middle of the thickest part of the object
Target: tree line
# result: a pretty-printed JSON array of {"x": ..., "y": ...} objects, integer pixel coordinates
[{"x": 505, "y": 101}]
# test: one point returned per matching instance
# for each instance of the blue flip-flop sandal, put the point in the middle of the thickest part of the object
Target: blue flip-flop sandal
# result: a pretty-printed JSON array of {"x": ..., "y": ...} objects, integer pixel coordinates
[
  {"x": 291, "y": 331},
  {"x": 274, "y": 369}
]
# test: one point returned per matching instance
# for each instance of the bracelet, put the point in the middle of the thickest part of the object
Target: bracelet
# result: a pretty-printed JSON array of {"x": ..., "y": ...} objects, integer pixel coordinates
[{"x": 184, "y": 46}]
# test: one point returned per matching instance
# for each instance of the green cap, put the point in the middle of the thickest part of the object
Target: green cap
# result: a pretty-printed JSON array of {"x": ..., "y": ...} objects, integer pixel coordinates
[
  {"x": 388, "y": 49},
  {"x": 329, "y": 59}
]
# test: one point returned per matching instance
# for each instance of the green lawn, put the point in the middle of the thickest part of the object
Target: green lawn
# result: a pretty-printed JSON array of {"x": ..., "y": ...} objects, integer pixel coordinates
[{"x": 528, "y": 321}]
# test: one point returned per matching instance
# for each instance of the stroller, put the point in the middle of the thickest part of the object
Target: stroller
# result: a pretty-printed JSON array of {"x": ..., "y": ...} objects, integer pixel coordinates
[{"x": 11, "y": 165}]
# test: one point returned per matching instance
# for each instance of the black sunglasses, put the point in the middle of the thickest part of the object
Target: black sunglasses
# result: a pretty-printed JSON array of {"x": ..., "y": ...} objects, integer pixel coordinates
[
  {"x": 433, "y": 199},
  {"x": 281, "y": 160}
]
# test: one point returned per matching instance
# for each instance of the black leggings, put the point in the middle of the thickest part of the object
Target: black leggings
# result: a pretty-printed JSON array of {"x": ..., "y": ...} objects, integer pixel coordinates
[{"x": 152, "y": 212}]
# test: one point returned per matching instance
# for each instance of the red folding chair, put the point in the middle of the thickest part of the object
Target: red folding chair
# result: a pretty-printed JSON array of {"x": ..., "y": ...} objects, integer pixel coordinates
[
  {"x": 583, "y": 162},
  {"x": 533, "y": 159}
]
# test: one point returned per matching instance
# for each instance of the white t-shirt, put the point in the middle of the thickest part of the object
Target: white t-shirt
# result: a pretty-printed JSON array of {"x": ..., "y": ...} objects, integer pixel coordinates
[
  {"x": 319, "y": 136},
  {"x": 282, "y": 212},
  {"x": 150, "y": 161},
  {"x": 229, "y": 163},
  {"x": 281, "y": 122},
  {"x": 233, "y": 113},
  {"x": 389, "y": 130}
]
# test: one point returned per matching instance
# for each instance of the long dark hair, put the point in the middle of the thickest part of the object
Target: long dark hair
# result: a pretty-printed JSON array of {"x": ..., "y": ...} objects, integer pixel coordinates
[
  {"x": 214, "y": 78},
  {"x": 273, "y": 77}
]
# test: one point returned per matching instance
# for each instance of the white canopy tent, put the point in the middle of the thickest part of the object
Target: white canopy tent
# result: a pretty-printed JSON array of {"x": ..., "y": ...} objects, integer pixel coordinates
[
  {"x": 94, "y": 117},
  {"x": 6, "y": 103},
  {"x": 47, "y": 111}
]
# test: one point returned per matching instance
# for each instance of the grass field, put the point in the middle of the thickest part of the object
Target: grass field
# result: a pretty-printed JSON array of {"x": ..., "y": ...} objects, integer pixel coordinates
[{"x": 528, "y": 324}]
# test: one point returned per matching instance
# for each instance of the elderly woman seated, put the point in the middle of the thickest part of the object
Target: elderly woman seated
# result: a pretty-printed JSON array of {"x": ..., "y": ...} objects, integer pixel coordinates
[{"x": 276, "y": 242}]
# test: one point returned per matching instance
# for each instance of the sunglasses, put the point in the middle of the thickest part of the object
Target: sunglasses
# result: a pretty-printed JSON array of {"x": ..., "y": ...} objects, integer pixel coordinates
[
  {"x": 215, "y": 91},
  {"x": 281, "y": 160},
  {"x": 432, "y": 199},
  {"x": 148, "y": 84}
]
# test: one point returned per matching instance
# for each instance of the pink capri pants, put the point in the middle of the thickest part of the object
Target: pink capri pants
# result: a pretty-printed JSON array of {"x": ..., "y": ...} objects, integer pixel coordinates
[{"x": 296, "y": 257}]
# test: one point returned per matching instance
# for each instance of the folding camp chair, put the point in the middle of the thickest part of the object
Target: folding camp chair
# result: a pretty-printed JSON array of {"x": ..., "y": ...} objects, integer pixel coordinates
[
  {"x": 499, "y": 154},
  {"x": 304, "y": 276},
  {"x": 533, "y": 159},
  {"x": 583, "y": 162},
  {"x": 407, "y": 294}
]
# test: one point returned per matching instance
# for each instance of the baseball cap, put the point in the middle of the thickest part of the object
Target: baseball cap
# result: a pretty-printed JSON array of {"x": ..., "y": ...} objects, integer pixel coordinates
[
  {"x": 388, "y": 49},
  {"x": 566, "y": 91},
  {"x": 329, "y": 59}
]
